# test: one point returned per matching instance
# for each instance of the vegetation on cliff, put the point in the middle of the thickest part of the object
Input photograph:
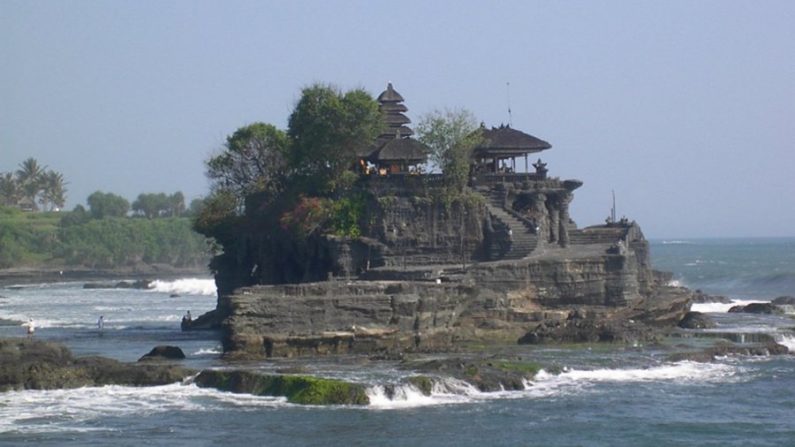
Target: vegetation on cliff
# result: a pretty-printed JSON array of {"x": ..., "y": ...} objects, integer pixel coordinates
[{"x": 281, "y": 193}]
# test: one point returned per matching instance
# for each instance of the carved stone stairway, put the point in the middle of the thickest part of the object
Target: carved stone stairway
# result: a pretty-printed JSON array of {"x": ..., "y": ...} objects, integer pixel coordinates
[{"x": 523, "y": 239}]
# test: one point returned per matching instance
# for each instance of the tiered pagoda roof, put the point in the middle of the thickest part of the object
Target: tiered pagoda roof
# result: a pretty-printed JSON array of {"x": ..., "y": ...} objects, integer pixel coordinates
[{"x": 395, "y": 143}]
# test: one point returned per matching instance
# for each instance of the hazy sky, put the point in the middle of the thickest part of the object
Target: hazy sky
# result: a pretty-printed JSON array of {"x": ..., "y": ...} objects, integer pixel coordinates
[{"x": 685, "y": 108}]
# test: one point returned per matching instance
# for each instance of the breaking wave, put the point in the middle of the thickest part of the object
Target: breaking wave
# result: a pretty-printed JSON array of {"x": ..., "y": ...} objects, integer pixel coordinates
[
  {"x": 36, "y": 411},
  {"x": 720, "y": 307},
  {"x": 544, "y": 385},
  {"x": 788, "y": 341},
  {"x": 677, "y": 242},
  {"x": 187, "y": 286},
  {"x": 681, "y": 371}
]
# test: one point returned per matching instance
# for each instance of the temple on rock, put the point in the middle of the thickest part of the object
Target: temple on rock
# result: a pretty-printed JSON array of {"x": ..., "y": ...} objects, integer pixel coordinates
[
  {"x": 426, "y": 270},
  {"x": 527, "y": 210}
]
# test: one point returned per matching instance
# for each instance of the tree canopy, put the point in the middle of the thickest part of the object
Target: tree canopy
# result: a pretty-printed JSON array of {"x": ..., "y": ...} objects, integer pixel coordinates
[
  {"x": 103, "y": 205},
  {"x": 451, "y": 136},
  {"x": 32, "y": 185},
  {"x": 151, "y": 205},
  {"x": 327, "y": 129},
  {"x": 254, "y": 160}
]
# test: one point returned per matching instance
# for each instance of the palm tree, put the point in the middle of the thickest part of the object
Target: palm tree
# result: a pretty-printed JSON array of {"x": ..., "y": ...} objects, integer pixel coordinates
[
  {"x": 9, "y": 190},
  {"x": 53, "y": 190},
  {"x": 29, "y": 179}
]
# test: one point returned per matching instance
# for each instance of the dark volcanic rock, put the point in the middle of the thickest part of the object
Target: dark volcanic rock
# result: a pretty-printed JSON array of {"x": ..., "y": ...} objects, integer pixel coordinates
[
  {"x": 36, "y": 364},
  {"x": 784, "y": 300},
  {"x": 696, "y": 320},
  {"x": 701, "y": 297},
  {"x": 758, "y": 308},
  {"x": 297, "y": 389},
  {"x": 724, "y": 349},
  {"x": 590, "y": 330},
  {"x": 490, "y": 374},
  {"x": 164, "y": 352}
]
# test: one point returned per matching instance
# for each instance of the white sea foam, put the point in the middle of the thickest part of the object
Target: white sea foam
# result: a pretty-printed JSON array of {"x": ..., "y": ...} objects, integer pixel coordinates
[
  {"x": 545, "y": 385},
  {"x": 720, "y": 307},
  {"x": 35, "y": 411},
  {"x": 209, "y": 351},
  {"x": 444, "y": 392},
  {"x": 788, "y": 341},
  {"x": 677, "y": 372},
  {"x": 187, "y": 286}
]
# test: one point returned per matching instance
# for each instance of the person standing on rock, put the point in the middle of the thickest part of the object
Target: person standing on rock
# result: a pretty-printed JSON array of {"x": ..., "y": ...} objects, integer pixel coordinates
[{"x": 101, "y": 323}]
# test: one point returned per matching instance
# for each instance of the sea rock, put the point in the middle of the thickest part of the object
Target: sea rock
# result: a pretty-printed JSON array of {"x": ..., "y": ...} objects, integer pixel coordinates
[
  {"x": 725, "y": 349},
  {"x": 784, "y": 300},
  {"x": 696, "y": 320},
  {"x": 758, "y": 308},
  {"x": 297, "y": 389},
  {"x": 701, "y": 297},
  {"x": 36, "y": 364},
  {"x": 164, "y": 353},
  {"x": 489, "y": 374}
]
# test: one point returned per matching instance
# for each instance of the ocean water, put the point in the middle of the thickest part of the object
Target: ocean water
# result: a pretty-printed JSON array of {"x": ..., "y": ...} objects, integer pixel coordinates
[{"x": 599, "y": 395}]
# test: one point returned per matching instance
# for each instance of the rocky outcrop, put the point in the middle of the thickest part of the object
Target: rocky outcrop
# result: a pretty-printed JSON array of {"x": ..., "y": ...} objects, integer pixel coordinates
[
  {"x": 696, "y": 320},
  {"x": 639, "y": 322},
  {"x": 431, "y": 272},
  {"x": 36, "y": 364},
  {"x": 784, "y": 301},
  {"x": 163, "y": 352},
  {"x": 336, "y": 317},
  {"x": 724, "y": 349},
  {"x": 306, "y": 390},
  {"x": 342, "y": 317},
  {"x": 757, "y": 308},
  {"x": 486, "y": 374}
]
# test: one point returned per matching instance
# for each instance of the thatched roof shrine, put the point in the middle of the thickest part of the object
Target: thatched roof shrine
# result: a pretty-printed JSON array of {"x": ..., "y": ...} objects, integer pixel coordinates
[
  {"x": 505, "y": 142},
  {"x": 407, "y": 150}
]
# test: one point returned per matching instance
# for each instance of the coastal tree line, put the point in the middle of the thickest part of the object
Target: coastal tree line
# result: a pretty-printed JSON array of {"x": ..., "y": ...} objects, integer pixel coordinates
[
  {"x": 109, "y": 233},
  {"x": 32, "y": 185}
]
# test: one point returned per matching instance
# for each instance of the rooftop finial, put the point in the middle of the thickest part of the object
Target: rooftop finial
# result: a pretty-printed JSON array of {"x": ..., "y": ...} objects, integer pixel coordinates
[{"x": 508, "y": 97}]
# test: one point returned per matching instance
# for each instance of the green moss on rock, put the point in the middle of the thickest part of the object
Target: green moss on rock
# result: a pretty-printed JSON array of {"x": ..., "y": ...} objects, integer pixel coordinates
[
  {"x": 528, "y": 368},
  {"x": 422, "y": 383},
  {"x": 299, "y": 389}
]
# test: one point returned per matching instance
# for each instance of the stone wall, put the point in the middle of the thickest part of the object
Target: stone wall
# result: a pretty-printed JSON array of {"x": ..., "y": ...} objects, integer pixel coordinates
[
  {"x": 342, "y": 317},
  {"x": 421, "y": 231}
]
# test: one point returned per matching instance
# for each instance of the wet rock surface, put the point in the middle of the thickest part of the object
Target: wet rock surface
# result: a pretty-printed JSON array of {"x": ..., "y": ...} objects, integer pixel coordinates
[
  {"x": 725, "y": 349},
  {"x": 486, "y": 374},
  {"x": 36, "y": 364},
  {"x": 163, "y": 353},
  {"x": 298, "y": 389},
  {"x": 696, "y": 320},
  {"x": 758, "y": 308}
]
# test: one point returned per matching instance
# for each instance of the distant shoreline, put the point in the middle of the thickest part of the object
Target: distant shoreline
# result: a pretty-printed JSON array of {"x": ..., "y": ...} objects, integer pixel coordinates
[{"x": 33, "y": 275}]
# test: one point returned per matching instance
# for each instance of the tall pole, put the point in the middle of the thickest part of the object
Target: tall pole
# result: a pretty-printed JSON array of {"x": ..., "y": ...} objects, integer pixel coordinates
[{"x": 613, "y": 210}]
